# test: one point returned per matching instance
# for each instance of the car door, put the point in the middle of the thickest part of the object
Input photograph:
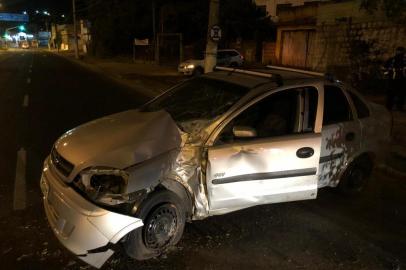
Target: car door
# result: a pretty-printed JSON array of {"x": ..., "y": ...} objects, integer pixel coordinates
[
  {"x": 274, "y": 157},
  {"x": 341, "y": 135},
  {"x": 369, "y": 129}
]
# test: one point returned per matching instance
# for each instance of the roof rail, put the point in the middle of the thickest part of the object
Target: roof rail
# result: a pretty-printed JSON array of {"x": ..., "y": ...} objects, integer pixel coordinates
[
  {"x": 276, "y": 77},
  {"x": 297, "y": 70}
]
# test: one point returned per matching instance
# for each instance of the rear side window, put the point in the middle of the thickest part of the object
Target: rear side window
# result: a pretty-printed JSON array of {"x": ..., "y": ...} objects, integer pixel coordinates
[
  {"x": 360, "y": 106},
  {"x": 336, "y": 106}
]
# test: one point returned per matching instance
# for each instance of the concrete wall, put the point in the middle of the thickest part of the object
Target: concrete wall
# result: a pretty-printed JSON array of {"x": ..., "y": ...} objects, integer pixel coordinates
[{"x": 334, "y": 44}]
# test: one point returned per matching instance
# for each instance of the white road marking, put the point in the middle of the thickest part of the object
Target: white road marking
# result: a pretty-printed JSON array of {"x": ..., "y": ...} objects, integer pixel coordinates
[
  {"x": 26, "y": 100},
  {"x": 19, "y": 182},
  {"x": 30, "y": 70},
  {"x": 28, "y": 80}
]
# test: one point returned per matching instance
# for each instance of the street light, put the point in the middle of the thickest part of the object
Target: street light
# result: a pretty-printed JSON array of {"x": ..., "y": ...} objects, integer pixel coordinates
[
  {"x": 20, "y": 27},
  {"x": 25, "y": 12}
]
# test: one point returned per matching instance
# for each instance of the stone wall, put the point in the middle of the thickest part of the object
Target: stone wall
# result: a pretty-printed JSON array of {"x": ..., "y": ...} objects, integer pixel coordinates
[{"x": 341, "y": 44}]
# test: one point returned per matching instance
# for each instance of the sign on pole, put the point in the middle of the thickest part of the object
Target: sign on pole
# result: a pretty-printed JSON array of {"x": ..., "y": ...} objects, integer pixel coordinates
[
  {"x": 141, "y": 42},
  {"x": 14, "y": 17},
  {"x": 215, "y": 33}
]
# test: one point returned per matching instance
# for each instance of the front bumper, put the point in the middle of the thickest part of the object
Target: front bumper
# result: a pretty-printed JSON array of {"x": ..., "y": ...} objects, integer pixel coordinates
[
  {"x": 80, "y": 225},
  {"x": 185, "y": 70}
]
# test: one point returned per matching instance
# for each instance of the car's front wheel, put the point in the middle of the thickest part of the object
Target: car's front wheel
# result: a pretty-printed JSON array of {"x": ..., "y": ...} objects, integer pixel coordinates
[
  {"x": 164, "y": 220},
  {"x": 198, "y": 71}
]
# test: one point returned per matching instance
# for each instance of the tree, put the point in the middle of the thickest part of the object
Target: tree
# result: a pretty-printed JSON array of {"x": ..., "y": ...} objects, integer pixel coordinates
[
  {"x": 116, "y": 22},
  {"x": 394, "y": 9}
]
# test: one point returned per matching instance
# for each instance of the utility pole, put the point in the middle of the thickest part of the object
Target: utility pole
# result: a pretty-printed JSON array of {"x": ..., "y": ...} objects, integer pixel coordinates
[
  {"x": 75, "y": 31},
  {"x": 210, "y": 59},
  {"x": 154, "y": 43}
]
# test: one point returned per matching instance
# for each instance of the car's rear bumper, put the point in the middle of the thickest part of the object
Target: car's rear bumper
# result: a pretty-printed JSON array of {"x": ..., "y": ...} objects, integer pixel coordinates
[{"x": 79, "y": 225}]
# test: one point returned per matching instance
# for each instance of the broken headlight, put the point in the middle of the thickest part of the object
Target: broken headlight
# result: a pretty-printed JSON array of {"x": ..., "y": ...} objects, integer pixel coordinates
[{"x": 106, "y": 186}]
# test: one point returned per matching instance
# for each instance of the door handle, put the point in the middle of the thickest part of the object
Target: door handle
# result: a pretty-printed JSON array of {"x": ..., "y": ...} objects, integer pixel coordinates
[
  {"x": 350, "y": 136},
  {"x": 305, "y": 152}
]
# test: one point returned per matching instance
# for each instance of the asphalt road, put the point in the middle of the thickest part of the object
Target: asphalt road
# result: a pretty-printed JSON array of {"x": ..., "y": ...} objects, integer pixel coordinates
[{"x": 43, "y": 95}]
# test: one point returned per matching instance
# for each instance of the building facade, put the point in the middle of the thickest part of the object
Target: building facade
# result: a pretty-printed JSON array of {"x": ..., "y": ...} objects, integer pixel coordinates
[
  {"x": 271, "y": 5},
  {"x": 326, "y": 36}
]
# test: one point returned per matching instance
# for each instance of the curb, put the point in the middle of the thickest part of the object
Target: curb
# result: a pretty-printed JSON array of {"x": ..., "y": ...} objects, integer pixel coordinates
[
  {"x": 391, "y": 171},
  {"x": 115, "y": 78}
]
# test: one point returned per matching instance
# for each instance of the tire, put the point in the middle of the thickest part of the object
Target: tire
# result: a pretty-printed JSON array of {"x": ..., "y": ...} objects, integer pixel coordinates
[
  {"x": 355, "y": 178},
  {"x": 164, "y": 219},
  {"x": 198, "y": 71}
]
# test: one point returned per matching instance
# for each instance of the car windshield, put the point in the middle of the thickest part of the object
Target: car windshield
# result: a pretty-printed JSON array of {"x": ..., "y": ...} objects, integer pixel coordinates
[{"x": 198, "y": 99}]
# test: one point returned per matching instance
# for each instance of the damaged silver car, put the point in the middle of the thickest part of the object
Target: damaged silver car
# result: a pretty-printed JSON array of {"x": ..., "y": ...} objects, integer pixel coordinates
[{"x": 215, "y": 144}]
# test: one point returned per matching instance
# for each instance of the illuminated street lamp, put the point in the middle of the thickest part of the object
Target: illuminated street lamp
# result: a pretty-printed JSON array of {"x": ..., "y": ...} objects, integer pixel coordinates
[
  {"x": 20, "y": 27},
  {"x": 25, "y": 12},
  {"x": 37, "y": 11}
]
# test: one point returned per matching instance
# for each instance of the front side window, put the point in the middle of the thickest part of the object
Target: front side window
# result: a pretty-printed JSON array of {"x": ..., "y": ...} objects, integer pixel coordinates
[
  {"x": 283, "y": 113},
  {"x": 336, "y": 106},
  {"x": 198, "y": 99}
]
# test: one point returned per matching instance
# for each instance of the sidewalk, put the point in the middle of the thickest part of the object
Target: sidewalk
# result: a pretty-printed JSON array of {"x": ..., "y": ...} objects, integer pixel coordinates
[{"x": 147, "y": 79}]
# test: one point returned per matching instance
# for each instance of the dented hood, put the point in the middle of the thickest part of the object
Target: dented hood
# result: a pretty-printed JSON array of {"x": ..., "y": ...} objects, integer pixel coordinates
[{"x": 119, "y": 140}]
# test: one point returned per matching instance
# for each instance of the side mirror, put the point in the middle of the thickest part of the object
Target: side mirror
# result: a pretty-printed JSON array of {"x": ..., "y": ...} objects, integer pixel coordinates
[{"x": 244, "y": 132}]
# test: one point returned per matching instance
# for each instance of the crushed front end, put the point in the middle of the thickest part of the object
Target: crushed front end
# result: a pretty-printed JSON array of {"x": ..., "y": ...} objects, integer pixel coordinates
[{"x": 84, "y": 228}]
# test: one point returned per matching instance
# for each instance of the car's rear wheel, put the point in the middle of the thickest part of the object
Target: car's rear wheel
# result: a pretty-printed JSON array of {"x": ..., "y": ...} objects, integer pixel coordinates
[
  {"x": 164, "y": 220},
  {"x": 356, "y": 176}
]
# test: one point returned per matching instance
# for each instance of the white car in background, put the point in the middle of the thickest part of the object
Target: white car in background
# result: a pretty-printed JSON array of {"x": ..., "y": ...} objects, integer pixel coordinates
[{"x": 227, "y": 58}]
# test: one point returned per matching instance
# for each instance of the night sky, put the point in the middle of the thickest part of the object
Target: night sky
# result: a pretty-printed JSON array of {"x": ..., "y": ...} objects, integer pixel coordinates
[{"x": 32, "y": 5}]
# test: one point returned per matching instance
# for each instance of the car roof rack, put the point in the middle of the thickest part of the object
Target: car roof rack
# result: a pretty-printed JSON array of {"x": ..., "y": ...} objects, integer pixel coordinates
[
  {"x": 274, "y": 77},
  {"x": 307, "y": 72}
]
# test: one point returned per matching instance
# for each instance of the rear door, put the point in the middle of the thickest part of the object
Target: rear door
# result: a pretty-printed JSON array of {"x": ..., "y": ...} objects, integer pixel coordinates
[
  {"x": 341, "y": 135},
  {"x": 279, "y": 164}
]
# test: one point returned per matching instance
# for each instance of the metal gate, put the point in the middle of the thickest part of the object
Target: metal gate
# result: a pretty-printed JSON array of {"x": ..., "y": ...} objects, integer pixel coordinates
[{"x": 296, "y": 48}]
